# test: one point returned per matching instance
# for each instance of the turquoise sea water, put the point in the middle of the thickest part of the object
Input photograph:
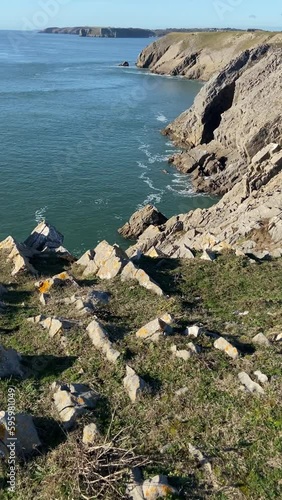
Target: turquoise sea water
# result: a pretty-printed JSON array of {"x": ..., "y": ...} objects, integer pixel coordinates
[{"x": 80, "y": 137}]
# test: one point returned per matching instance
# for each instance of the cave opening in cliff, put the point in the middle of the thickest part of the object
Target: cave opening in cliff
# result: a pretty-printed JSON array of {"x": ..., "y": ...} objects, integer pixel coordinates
[{"x": 213, "y": 115}]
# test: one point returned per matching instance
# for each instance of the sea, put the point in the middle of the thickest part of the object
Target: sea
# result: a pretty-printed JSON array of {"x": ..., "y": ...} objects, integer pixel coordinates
[{"x": 81, "y": 143}]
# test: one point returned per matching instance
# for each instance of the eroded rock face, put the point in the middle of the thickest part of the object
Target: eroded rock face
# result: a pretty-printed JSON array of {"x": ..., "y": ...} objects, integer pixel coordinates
[
  {"x": 140, "y": 220},
  {"x": 198, "y": 55},
  {"x": 235, "y": 116}
]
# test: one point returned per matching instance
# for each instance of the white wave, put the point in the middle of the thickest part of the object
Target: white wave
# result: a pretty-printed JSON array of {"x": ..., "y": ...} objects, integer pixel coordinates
[
  {"x": 151, "y": 198},
  {"x": 142, "y": 165},
  {"x": 148, "y": 181},
  {"x": 161, "y": 118},
  {"x": 187, "y": 192},
  {"x": 40, "y": 214}
]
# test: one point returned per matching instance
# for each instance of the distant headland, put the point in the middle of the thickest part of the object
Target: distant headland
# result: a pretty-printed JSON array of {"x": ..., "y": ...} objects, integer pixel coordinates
[{"x": 100, "y": 32}]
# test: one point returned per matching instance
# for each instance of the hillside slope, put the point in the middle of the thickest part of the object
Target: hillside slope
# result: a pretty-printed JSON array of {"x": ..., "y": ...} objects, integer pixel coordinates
[{"x": 200, "y": 55}]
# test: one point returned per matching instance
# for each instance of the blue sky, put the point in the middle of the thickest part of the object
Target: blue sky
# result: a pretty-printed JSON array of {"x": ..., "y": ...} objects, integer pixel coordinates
[{"x": 37, "y": 14}]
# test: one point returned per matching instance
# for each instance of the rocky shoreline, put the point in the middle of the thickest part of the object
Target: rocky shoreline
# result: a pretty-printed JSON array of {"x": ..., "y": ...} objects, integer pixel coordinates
[{"x": 232, "y": 147}]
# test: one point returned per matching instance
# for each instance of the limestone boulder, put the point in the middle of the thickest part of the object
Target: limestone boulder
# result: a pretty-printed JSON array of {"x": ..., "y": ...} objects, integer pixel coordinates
[
  {"x": 134, "y": 385},
  {"x": 46, "y": 239},
  {"x": 156, "y": 329},
  {"x": 140, "y": 220},
  {"x": 72, "y": 401},
  {"x": 54, "y": 325},
  {"x": 19, "y": 255},
  {"x": 100, "y": 339},
  {"x": 91, "y": 434},
  {"x": 223, "y": 345},
  {"x": 249, "y": 384}
]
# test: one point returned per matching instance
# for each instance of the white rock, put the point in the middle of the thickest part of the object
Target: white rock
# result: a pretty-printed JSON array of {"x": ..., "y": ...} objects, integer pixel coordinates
[
  {"x": 156, "y": 328},
  {"x": 133, "y": 384},
  {"x": 90, "y": 434},
  {"x": 194, "y": 331},
  {"x": 249, "y": 384},
  {"x": 182, "y": 391},
  {"x": 261, "y": 339},
  {"x": 208, "y": 255},
  {"x": 157, "y": 487},
  {"x": 100, "y": 339},
  {"x": 72, "y": 400},
  {"x": 226, "y": 347},
  {"x": 263, "y": 379}
]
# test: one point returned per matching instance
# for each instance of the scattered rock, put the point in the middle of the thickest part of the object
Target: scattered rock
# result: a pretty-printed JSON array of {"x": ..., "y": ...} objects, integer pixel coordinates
[
  {"x": 157, "y": 487},
  {"x": 52, "y": 324},
  {"x": 203, "y": 462},
  {"x": 185, "y": 354},
  {"x": 131, "y": 272},
  {"x": 100, "y": 339},
  {"x": 72, "y": 400},
  {"x": 194, "y": 331},
  {"x": 182, "y": 391},
  {"x": 10, "y": 363},
  {"x": 182, "y": 354},
  {"x": 124, "y": 64},
  {"x": 91, "y": 434},
  {"x": 156, "y": 329},
  {"x": 261, "y": 339},
  {"x": 134, "y": 384},
  {"x": 58, "y": 280},
  {"x": 279, "y": 337},
  {"x": 140, "y": 220},
  {"x": 226, "y": 347},
  {"x": 26, "y": 439},
  {"x": 248, "y": 383},
  {"x": 263, "y": 379}
]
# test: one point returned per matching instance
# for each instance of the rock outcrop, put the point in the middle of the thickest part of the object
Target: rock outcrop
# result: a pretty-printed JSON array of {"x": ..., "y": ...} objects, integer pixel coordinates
[
  {"x": 232, "y": 137},
  {"x": 44, "y": 241},
  {"x": 140, "y": 220}
]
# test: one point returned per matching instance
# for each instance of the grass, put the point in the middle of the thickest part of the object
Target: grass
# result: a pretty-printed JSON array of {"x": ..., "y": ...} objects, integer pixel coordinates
[{"x": 239, "y": 433}]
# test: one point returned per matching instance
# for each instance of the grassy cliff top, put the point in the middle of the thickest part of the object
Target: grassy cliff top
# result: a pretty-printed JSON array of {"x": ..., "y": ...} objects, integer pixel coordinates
[{"x": 239, "y": 432}]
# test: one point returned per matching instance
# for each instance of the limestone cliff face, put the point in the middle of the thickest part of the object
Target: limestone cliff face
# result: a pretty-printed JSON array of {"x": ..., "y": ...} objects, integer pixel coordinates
[
  {"x": 200, "y": 55},
  {"x": 233, "y": 117},
  {"x": 232, "y": 146}
]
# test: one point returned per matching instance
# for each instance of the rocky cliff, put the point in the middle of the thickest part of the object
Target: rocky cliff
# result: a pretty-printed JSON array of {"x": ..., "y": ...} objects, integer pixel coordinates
[
  {"x": 200, "y": 55},
  {"x": 232, "y": 140}
]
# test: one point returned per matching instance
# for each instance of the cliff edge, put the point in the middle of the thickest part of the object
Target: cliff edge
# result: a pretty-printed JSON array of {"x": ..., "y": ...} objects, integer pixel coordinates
[{"x": 200, "y": 55}]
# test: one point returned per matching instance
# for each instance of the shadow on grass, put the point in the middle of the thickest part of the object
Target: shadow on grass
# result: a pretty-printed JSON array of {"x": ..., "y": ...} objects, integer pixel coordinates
[
  {"x": 39, "y": 367},
  {"x": 50, "y": 432}
]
